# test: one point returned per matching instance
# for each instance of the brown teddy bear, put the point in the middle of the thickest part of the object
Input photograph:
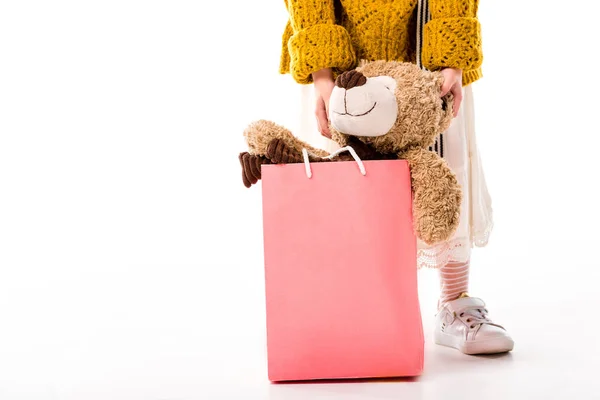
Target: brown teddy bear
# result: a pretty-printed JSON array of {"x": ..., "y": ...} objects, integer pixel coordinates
[{"x": 384, "y": 111}]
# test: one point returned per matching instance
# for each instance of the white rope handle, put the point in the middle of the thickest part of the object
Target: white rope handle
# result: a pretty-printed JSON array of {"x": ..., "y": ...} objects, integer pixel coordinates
[
  {"x": 306, "y": 163},
  {"x": 361, "y": 165}
]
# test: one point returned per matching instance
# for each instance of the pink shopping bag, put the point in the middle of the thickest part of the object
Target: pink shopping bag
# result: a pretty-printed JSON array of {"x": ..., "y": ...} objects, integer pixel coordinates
[{"x": 340, "y": 270}]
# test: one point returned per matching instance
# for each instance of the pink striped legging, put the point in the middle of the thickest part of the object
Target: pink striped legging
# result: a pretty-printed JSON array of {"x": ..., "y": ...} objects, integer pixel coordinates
[{"x": 454, "y": 281}]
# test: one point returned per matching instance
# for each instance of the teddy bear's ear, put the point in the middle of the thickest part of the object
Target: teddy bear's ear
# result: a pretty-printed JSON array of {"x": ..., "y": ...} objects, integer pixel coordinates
[{"x": 387, "y": 81}]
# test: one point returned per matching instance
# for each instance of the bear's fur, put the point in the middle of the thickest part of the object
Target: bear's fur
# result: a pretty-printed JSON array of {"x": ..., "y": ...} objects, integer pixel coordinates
[{"x": 421, "y": 116}]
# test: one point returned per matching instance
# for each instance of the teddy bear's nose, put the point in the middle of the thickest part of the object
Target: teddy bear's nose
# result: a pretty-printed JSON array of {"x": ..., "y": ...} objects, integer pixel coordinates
[{"x": 350, "y": 79}]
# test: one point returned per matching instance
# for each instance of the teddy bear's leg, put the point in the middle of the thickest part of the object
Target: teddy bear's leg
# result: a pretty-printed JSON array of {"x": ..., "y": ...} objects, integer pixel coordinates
[
  {"x": 251, "y": 167},
  {"x": 437, "y": 196},
  {"x": 260, "y": 134},
  {"x": 279, "y": 152}
]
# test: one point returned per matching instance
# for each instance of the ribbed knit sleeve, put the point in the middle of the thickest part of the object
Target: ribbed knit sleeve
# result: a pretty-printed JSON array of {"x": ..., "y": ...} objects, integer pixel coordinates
[
  {"x": 452, "y": 38},
  {"x": 314, "y": 40}
]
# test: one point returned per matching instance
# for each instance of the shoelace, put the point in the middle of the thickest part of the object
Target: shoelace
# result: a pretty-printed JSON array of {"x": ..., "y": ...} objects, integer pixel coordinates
[{"x": 475, "y": 317}]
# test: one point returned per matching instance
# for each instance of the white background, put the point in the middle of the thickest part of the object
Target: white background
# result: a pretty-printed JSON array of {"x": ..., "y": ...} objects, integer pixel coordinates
[{"x": 130, "y": 252}]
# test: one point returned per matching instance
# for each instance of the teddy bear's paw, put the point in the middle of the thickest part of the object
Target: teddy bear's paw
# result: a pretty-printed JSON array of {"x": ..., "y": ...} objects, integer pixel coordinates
[
  {"x": 280, "y": 153},
  {"x": 251, "y": 172},
  {"x": 435, "y": 228}
]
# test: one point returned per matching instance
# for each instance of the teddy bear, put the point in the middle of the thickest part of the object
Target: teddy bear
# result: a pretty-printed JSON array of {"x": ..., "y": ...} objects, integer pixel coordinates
[{"x": 383, "y": 110}]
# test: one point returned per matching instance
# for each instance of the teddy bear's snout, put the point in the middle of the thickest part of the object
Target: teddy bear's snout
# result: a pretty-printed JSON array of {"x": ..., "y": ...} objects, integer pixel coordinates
[{"x": 350, "y": 79}]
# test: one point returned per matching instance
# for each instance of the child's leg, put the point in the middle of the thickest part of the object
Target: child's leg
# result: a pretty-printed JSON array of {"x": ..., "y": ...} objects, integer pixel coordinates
[{"x": 454, "y": 281}]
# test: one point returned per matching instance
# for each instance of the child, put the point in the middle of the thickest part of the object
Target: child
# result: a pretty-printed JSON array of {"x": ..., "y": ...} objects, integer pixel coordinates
[{"x": 326, "y": 37}]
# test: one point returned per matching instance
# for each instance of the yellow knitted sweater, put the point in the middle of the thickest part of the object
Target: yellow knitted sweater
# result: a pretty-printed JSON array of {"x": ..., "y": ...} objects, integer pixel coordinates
[{"x": 338, "y": 33}]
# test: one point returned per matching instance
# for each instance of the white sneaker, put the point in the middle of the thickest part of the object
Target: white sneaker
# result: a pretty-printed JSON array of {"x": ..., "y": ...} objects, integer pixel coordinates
[{"x": 464, "y": 325}]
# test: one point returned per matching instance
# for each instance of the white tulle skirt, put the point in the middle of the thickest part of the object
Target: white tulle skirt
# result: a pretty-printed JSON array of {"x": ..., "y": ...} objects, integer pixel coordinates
[{"x": 460, "y": 151}]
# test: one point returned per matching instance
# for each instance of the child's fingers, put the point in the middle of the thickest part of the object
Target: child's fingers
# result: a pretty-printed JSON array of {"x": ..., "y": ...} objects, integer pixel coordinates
[
  {"x": 444, "y": 91},
  {"x": 451, "y": 77},
  {"x": 446, "y": 86},
  {"x": 458, "y": 95},
  {"x": 322, "y": 120}
]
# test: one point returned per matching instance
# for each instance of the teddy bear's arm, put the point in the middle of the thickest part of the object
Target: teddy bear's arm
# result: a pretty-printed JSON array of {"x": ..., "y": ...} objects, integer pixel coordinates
[
  {"x": 260, "y": 134},
  {"x": 269, "y": 143},
  {"x": 437, "y": 196}
]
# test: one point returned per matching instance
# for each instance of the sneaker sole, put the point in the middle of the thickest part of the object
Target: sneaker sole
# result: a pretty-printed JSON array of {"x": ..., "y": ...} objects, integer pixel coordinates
[{"x": 489, "y": 346}]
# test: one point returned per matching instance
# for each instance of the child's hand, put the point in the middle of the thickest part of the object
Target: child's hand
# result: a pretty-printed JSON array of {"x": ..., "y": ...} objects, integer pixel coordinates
[
  {"x": 324, "y": 84},
  {"x": 453, "y": 83}
]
